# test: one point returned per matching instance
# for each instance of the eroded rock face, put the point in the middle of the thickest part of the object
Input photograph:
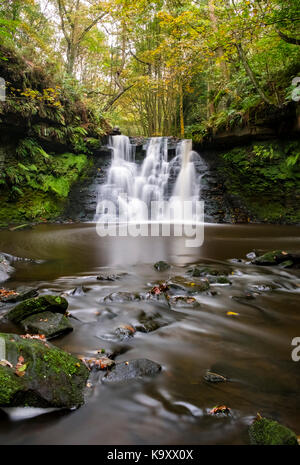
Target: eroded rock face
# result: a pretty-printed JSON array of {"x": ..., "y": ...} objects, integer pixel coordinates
[
  {"x": 269, "y": 432},
  {"x": 131, "y": 370},
  {"x": 45, "y": 303},
  {"x": 46, "y": 377}
]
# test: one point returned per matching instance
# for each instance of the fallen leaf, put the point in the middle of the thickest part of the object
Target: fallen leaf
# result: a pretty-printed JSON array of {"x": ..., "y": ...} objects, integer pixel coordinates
[
  {"x": 220, "y": 409},
  {"x": 232, "y": 314}
]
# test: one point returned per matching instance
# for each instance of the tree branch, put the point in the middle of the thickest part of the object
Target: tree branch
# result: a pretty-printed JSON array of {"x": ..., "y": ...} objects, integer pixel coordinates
[{"x": 289, "y": 40}]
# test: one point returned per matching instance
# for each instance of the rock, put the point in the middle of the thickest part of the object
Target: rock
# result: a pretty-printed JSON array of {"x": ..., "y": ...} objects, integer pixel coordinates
[
  {"x": 220, "y": 280},
  {"x": 276, "y": 257},
  {"x": 251, "y": 255},
  {"x": 109, "y": 277},
  {"x": 123, "y": 297},
  {"x": 286, "y": 264},
  {"x": 184, "y": 301},
  {"x": 102, "y": 363},
  {"x": 124, "y": 332},
  {"x": 21, "y": 293},
  {"x": 149, "y": 322},
  {"x": 49, "y": 324},
  {"x": 199, "y": 271},
  {"x": 180, "y": 283},
  {"x": 45, "y": 303},
  {"x": 78, "y": 291},
  {"x": 269, "y": 432},
  {"x": 214, "y": 377},
  {"x": 51, "y": 377},
  {"x": 161, "y": 266},
  {"x": 133, "y": 369},
  {"x": 5, "y": 269}
]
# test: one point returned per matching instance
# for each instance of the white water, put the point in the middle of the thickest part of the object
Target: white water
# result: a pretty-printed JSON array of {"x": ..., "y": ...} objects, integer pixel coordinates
[{"x": 132, "y": 188}]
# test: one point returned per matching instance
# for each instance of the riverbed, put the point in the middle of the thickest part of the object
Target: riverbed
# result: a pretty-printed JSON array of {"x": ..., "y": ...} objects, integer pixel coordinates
[{"x": 251, "y": 347}]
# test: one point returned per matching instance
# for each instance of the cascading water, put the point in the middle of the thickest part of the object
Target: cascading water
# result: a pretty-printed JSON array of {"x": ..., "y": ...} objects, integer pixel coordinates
[{"x": 132, "y": 188}]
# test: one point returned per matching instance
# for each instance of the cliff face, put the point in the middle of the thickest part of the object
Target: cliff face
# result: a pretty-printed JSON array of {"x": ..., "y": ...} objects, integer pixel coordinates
[
  {"x": 47, "y": 137},
  {"x": 258, "y": 182}
]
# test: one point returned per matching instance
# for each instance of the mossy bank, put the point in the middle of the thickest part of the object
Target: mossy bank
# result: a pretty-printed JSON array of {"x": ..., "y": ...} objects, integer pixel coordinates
[
  {"x": 47, "y": 139},
  {"x": 257, "y": 183}
]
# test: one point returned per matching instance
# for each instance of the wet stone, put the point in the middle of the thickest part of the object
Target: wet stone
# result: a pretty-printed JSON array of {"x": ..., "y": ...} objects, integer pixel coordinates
[
  {"x": 45, "y": 303},
  {"x": 123, "y": 297},
  {"x": 132, "y": 370},
  {"x": 49, "y": 324},
  {"x": 124, "y": 332},
  {"x": 161, "y": 266},
  {"x": 212, "y": 377}
]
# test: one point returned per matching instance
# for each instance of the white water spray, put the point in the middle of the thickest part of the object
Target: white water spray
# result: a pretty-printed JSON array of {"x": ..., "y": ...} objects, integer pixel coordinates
[{"x": 132, "y": 187}]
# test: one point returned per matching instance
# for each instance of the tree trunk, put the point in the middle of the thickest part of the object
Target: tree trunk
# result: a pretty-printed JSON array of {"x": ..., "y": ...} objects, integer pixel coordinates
[{"x": 251, "y": 75}]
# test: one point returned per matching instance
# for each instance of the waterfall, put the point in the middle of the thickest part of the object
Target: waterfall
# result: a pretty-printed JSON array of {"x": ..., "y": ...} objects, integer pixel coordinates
[{"x": 132, "y": 187}]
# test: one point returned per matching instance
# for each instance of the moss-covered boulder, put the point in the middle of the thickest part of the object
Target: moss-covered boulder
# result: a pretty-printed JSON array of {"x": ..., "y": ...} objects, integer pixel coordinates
[
  {"x": 45, "y": 303},
  {"x": 37, "y": 374},
  {"x": 269, "y": 432},
  {"x": 277, "y": 257},
  {"x": 49, "y": 324}
]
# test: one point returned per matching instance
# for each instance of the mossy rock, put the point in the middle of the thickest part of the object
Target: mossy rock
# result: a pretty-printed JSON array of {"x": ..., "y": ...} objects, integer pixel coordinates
[
  {"x": 278, "y": 257},
  {"x": 199, "y": 271},
  {"x": 51, "y": 378},
  {"x": 161, "y": 266},
  {"x": 270, "y": 432},
  {"x": 179, "y": 283},
  {"x": 49, "y": 324},
  {"x": 45, "y": 303}
]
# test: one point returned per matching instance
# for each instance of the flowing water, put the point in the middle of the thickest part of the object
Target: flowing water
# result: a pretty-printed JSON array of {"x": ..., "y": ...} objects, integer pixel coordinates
[
  {"x": 252, "y": 348},
  {"x": 133, "y": 188}
]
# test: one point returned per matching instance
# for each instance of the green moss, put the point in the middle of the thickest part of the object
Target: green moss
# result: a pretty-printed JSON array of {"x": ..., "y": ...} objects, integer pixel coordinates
[
  {"x": 10, "y": 384},
  {"x": 265, "y": 177},
  {"x": 32, "y": 306},
  {"x": 42, "y": 192},
  {"x": 269, "y": 432},
  {"x": 52, "y": 376}
]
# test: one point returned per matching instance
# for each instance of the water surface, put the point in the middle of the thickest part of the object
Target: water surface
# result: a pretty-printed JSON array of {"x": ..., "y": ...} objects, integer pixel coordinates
[{"x": 253, "y": 349}]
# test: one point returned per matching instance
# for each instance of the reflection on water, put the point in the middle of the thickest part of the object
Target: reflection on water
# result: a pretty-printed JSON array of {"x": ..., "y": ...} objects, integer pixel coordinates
[{"x": 253, "y": 349}]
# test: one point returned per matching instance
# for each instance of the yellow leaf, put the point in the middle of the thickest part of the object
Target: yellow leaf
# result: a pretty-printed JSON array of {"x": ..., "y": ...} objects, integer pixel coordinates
[{"x": 232, "y": 314}]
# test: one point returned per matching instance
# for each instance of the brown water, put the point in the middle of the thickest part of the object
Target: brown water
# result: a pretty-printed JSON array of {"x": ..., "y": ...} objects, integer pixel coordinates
[{"x": 253, "y": 349}]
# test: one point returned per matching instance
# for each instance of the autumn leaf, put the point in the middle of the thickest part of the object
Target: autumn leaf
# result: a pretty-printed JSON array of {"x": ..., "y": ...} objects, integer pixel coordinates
[{"x": 232, "y": 314}]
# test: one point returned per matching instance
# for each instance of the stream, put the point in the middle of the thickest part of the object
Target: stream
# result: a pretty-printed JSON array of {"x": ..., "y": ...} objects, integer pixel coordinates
[
  {"x": 240, "y": 328},
  {"x": 252, "y": 349}
]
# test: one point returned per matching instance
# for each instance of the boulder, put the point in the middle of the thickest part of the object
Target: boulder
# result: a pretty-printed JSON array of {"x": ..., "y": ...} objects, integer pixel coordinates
[
  {"x": 269, "y": 432},
  {"x": 131, "y": 370},
  {"x": 49, "y": 324},
  {"x": 277, "y": 257},
  {"x": 38, "y": 374},
  {"x": 45, "y": 303}
]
